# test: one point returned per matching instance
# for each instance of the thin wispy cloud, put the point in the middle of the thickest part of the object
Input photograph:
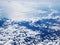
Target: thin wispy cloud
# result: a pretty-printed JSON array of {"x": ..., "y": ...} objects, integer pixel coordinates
[{"x": 21, "y": 9}]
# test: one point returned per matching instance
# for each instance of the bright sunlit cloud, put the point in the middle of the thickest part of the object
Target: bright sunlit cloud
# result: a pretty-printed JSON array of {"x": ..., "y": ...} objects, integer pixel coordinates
[{"x": 21, "y": 9}]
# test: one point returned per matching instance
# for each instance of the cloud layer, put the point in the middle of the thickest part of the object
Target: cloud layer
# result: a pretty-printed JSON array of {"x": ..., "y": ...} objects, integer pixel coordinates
[{"x": 23, "y": 9}]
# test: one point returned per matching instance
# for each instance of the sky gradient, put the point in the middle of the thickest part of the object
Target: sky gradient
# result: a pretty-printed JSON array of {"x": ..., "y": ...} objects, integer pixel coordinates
[{"x": 21, "y": 9}]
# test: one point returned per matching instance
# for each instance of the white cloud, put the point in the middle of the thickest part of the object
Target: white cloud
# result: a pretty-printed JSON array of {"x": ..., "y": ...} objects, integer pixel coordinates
[
  {"x": 55, "y": 27},
  {"x": 15, "y": 10},
  {"x": 10, "y": 32},
  {"x": 23, "y": 9}
]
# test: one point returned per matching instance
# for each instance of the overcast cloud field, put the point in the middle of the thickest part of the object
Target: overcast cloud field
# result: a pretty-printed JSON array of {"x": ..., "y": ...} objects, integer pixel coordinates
[{"x": 29, "y": 22}]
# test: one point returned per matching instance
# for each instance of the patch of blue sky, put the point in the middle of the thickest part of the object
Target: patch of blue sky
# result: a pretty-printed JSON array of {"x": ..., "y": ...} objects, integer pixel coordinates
[{"x": 56, "y": 7}]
